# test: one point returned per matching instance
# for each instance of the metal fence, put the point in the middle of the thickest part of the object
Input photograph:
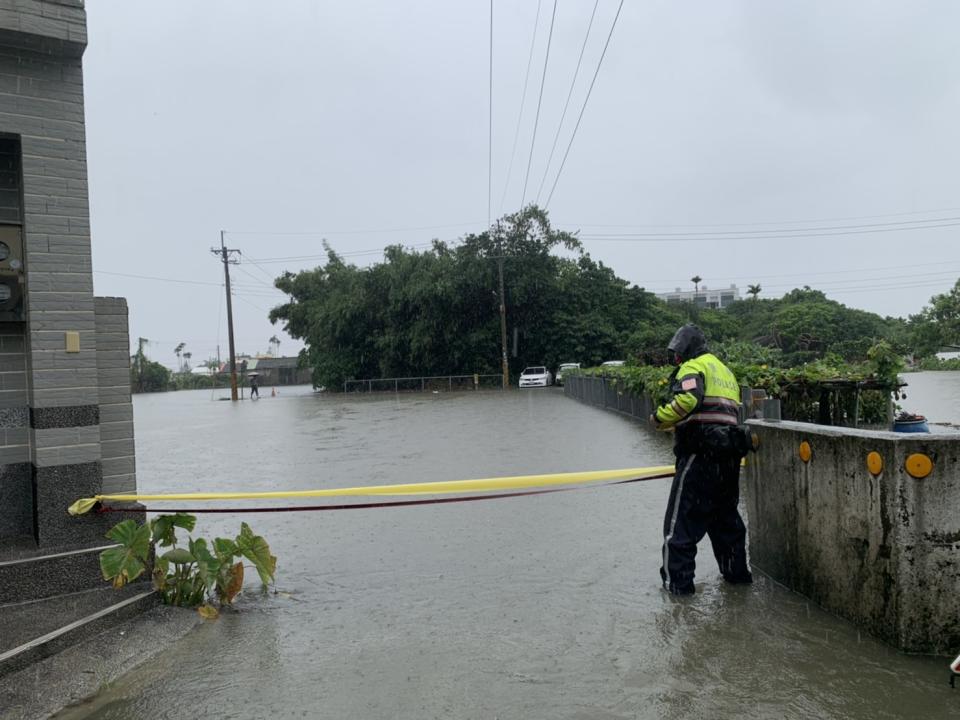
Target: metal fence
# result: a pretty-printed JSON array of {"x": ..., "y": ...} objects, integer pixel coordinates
[
  {"x": 437, "y": 383},
  {"x": 602, "y": 392}
]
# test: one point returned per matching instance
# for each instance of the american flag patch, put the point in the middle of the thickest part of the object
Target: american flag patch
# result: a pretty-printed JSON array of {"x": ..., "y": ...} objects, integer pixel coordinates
[{"x": 689, "y": 384}]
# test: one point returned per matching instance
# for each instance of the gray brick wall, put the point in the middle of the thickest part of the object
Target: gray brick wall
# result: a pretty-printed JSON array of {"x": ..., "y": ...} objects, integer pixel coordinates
[
  {"x": 41, "y": 100},
  {"x": 49, "y": 25},
  {"x": 113, "y": 382},
  {"x": 52, "y": 402}
]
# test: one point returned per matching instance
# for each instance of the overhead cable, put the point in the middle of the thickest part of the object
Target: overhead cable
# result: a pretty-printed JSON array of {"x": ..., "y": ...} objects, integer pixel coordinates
[
  {"x": 536, "y": 119},
  {"x": 902, "y": 224},
  {"x": 743, "y": 236},
  {"x": 490, "y": 128},
  {"x": 372, "y": 231},
  {"x": 767, "y": 222},
  {"x": 584, "y": 107},
  {"x": 523, "y": 100},
  {"x": 566, "y": 106}
]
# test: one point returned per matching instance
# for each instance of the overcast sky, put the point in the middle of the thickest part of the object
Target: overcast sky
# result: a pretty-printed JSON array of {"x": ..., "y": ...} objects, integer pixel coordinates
[{"x": 357, "y": 121}]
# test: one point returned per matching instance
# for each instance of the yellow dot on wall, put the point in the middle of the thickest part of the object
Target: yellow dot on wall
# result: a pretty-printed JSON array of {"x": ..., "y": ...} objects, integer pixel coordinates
[
  {"x": 918, "y": 465},
  {"x": 875, "y": 463},
  {"x": 805, "y": 451}
]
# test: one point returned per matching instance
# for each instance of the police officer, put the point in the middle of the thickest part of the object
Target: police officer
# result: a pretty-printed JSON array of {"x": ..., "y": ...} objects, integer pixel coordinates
[{"x": 709, "y": 445}]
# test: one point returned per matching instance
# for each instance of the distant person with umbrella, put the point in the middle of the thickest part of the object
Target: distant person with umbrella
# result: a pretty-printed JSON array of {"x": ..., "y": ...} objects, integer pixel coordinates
[{"x": 254, "y": 386}]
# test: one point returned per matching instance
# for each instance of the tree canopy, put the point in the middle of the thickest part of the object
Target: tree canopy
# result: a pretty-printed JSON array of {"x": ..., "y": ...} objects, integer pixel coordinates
[{"x": 436, "y": 311}]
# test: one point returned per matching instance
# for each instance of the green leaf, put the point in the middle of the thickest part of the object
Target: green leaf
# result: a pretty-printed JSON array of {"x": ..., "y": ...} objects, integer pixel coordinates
[
  {"x": 225, "y": 549},
  {"x": 207, "y": 565},
  {"x": 127, "y": 562},
  {"x": 179, "y": 556},
  {"x": 255, "y": 549},
  {"x": 163, "y": 527},
  {"x": 120, "y": 566}
]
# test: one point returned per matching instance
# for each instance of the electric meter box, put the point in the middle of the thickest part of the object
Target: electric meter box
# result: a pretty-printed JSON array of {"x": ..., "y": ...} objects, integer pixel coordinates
[{"x": 11, "y": 274}]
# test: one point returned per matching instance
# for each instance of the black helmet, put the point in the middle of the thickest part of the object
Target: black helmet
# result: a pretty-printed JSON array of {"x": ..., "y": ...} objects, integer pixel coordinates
[{"x": 688, "y": 342}]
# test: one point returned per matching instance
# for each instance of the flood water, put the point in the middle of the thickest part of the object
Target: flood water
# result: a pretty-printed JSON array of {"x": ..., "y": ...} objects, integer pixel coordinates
[{"x": 535, "y": 607}]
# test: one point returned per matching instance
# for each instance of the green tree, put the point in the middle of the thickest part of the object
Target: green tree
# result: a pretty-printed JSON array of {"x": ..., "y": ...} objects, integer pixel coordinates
[
  {"x": 436, "y": 312},
  {"x": 938, "y": 324},
  {"x": 178, "y": 351},
  {"x": 149, "y": 376}
]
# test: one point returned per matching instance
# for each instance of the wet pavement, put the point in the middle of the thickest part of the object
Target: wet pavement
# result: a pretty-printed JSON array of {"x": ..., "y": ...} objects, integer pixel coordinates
[{"x": 535, "y": 607}]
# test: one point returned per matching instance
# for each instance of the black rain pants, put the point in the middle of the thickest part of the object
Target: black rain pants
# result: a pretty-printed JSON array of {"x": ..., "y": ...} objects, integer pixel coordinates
[{"x": 703, "y": 501}]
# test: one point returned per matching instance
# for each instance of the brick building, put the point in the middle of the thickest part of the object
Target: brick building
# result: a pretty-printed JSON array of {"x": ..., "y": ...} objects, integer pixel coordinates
[{"x": 66, "y": 421}]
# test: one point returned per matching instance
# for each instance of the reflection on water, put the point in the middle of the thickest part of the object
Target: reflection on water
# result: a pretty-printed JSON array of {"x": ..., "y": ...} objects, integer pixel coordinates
[
  {"x": 933, "y": 394},
  {"x": 540, "y": 607}
]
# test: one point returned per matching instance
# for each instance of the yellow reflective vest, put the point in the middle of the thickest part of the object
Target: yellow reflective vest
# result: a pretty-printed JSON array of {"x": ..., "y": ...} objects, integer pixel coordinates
[{"x": 705, "y": 391}]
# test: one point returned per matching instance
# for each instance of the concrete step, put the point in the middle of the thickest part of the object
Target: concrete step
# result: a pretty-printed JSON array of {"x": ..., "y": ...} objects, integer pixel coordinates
[
  {"x": 31, "y": 574},
  {"x": 31, "y": 631}
]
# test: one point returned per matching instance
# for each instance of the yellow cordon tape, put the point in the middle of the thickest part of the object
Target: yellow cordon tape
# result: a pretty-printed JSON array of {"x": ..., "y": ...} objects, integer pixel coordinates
[{"x": 517, "y": 482}]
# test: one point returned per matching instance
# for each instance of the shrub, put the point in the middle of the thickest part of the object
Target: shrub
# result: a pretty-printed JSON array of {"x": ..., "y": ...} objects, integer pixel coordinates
[{"x": 191, "y": 576}]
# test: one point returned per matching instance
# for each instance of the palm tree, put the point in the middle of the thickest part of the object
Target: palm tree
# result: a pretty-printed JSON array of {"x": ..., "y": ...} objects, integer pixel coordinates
[
  {"x": 178, "y": 350},
  {"x": 696, "y": 280},
  {"x": 754, "y": 290},
  {"x": 275, "y": 345},
  {"x": 186, "y": 361}
]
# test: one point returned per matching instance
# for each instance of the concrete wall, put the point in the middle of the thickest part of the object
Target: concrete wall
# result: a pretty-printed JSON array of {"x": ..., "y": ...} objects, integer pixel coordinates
[
  {"x": 881, "y": 550},
  {"x": 52, "y": 397},
  {"x": 113, "y": 385}
]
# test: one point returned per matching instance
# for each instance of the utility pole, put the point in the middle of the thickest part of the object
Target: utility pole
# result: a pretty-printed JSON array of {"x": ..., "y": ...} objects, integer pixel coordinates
[
  {"x": 226, "y": 258},
  {"x": 503, "y": 312},
  {"x": 140, "y": 357}
]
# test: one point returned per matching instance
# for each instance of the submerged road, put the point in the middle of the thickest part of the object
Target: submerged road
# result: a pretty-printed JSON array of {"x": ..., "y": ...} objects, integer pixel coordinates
[{"x": 536, "y": 607}]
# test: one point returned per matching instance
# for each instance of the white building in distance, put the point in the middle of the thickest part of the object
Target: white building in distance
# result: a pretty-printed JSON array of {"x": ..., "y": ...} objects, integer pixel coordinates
[{"x": 705, "y": 297}]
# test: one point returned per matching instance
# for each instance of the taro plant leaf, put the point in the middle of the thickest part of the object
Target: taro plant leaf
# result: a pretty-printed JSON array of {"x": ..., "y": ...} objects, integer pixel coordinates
[
  {"x": 225, "y": 549},
  {"x": 207, "y": 565},
  {"x": 161, "y": 568},
  {"x": 163, "y": 527},
  {"x": 229, "y": 583},
  {"x": 179, "y": 556},
  {"x": 125, "y": 563},
  {"x": 208, "y": 612},
  {"x": 255, "y": 549}
]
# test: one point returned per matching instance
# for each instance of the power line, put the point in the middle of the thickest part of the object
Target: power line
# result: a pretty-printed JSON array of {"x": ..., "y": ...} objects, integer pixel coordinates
[
  {"x": 840, "y": 272},
  {"x": 919, "y": 279},
  {"x": 582, "y": 109},
  {"x": 260, "y": 282},
  {"x": 566, "y": 106},
  {"x": 374, "y": 231},
  {"x": 490, "y": 128},
  {"x": 886, "y": 288},
  {"x": 858, "y": 282},
  {"x": 253, "y": 305},
  {"x": 523, "y": 100},
  {"x": 349, "y": 253},
  {"x": 151, "y": 277},
  {"x": 668, "y": 238},
  {"x": 536, "y": 119},
  {"x": 771, "y": 222},
  {"x": 904, "y": 224},
  {"x": 260, "y": 268}
]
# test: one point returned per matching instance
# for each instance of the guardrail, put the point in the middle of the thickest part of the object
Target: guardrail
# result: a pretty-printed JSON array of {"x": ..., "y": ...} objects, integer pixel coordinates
[
  {"x": 601, "y": 391},
  {"x": 425, "y": 383}
]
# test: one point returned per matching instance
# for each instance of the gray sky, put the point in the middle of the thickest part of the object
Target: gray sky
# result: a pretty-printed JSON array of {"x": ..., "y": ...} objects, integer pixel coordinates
[{"x": 356, "y": 121}]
